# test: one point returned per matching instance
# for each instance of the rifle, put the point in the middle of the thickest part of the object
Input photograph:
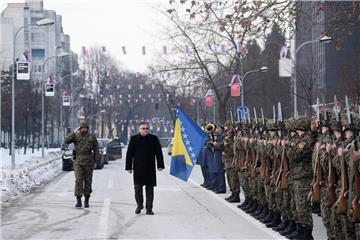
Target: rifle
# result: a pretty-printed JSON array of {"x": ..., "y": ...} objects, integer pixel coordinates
[
  {"x": 256, "y": 157},
  {"x": 316, "y": 187},
  {"x": 341, "y": 203},
  {"x": 332, "y": 178},
  {"x": 275, "y": 160},
  {"x": 284, "y": 164},
  {"x": 262, "y": 159}
]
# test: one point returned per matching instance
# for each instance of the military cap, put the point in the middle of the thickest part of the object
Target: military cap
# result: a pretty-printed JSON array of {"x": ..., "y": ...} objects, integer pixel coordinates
[
  {"x": 271, "y": 125},
  {"x": 228, "y": 123},
  {"x": 302, "y": 123},
  {"x": 289, "y": 124},
  {"x": 84, "y": 125}
]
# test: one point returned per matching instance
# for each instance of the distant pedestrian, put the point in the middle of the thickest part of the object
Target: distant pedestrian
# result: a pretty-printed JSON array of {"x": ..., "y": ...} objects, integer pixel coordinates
[
  {"x": 140, "y": 158},
  {"x": 86, "y": 155}
]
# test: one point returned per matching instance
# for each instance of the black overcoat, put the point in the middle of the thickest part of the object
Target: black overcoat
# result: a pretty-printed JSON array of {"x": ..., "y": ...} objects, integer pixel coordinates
[{"x": 140, "y": 157}]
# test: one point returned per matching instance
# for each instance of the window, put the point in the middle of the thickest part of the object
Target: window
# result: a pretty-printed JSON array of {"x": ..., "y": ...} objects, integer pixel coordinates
[{"x": 38, "y": 53}]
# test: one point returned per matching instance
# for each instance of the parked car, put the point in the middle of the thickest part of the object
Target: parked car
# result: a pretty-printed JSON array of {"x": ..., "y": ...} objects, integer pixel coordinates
[
  {"x": 68, "y": 157},
  {"x": 103, "y": 142},
  {"x": 114, "y": 149},
  {"x": 164, "y": 142},
  {"x": 169, "y": 147}
]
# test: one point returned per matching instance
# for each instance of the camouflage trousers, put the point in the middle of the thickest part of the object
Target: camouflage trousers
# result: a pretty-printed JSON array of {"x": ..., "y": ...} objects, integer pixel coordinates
[
  {"x": 252, "y": 185},
  {"x": 302, "y": 203},
  {"x": 292, "y": 202},
  {"x": 327, "y": 215},
  {"x": 285, "y": 204},
  {"x": 270, "y": 196},
  {"x": 244, "y": 183},
  {"x": 260, "y": 190},
  {"x": 83, "y": 179},
  {"x": 233, "y": 180},
  {"x": 348, "y": 227},
  {"x": 357, "y": 231},
  {"x": 278, "y": 199}
]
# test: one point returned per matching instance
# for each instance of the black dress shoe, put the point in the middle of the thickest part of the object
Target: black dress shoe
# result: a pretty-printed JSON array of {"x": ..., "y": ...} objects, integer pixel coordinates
[
  {"x": 138, "y": 210},
  {"x": 149, "y": 212}
]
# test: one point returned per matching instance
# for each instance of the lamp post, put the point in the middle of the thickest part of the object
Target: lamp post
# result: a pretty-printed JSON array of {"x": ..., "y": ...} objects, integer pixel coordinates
[
  {"x": 43, "y": 100},
  {"x": 324, "y": 39},
  {"x": 242, "y": 80},
  {"x": 42, "y": 22}
]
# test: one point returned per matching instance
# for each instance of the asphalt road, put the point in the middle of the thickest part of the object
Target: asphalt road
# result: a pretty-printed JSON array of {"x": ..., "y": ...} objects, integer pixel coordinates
[{"x": 182, "y": 211}]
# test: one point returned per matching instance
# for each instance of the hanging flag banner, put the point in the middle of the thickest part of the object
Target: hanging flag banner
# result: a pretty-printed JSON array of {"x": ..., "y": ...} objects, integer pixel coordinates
[
  {"x": 143, "y": 50},
  {"x": 164, "y": 50},
  {"x": 23, "y": 71},
  {"x": 83, "y": 51},
  {"x": 235, "y": 90},
  {"x": 66, "y": 101},
  {"x": 240, "y": 47},
  {"x": 123, "y": 50},
  {"x": 209, "y": 101},
  {"x": 49, "y": 90}
]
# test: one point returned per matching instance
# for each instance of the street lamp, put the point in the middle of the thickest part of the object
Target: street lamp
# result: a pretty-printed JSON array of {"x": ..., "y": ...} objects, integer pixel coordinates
[
  {"x": 263, "y": 69},
  {"x": 41, "y": 22},
  {"x": 61, "y": 55},
  {"x": 324, "y": 39}
]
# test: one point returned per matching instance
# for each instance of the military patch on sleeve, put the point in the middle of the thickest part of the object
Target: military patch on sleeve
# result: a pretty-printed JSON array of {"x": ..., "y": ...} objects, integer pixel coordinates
[{"x": 301, "y": 145}]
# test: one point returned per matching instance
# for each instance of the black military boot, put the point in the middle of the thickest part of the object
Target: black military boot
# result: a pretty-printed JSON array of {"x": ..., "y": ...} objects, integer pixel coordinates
[
  {"x": 252, "y": 208},
  {"x": 229, "y": 197},
  {"x": 315, "y": 208},
  {"x": 235, "y": 198},
  {"x": 268, "y": 218},
  {"x": 263, "y": 213},
  {"x": 281, "y": 226},
  {"x": 248, "y": 205},
  {"x": 243, "y": 204},
  {"x": 295, "y": 233},
  {"x": 275, "y": 221},
  {"x": 257, "y": 210},
  {"x": 305, "y": 232},
  {"x": 86, "y": 202},
  {"x": 78, "y": 202},
  {"x": 291, "y": 227}
]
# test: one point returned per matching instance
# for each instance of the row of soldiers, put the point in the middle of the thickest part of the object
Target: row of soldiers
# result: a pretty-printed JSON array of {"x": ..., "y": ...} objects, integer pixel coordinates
[{"x": 293, "y": 168}]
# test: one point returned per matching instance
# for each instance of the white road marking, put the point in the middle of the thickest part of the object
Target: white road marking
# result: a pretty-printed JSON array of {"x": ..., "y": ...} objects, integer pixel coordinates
[
  {"x": 167, "y": 189},
  {"x": 104, "y": 220},
  {"x": 110, "y": 184}
]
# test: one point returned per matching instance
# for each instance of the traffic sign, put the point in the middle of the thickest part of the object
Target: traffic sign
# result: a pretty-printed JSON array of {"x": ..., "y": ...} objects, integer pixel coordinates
[
  {"x": 242, "y": 113},
  {"x": 23, "y": 71}
]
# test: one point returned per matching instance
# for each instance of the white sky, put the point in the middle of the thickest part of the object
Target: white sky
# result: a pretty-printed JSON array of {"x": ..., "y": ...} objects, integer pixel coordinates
[{"x": 111, "y": 23}]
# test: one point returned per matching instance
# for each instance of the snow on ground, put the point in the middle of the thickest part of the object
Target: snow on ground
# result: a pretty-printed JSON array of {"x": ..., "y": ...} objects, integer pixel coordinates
[{"x": 31, "y": 171}]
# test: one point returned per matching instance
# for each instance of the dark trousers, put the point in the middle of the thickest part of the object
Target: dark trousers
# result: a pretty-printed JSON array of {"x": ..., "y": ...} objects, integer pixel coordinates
[
  {"x": 149, "y": 196},
  {"x": 205, "y": 173}
]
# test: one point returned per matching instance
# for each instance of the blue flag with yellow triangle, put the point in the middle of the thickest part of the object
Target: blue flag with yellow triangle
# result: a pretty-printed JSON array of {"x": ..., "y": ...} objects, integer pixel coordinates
[{"x": 189, "y": 139}]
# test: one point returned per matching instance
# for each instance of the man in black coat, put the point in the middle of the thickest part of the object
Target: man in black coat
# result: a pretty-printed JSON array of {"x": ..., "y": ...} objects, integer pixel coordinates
[{"x": 140, "y": 158}]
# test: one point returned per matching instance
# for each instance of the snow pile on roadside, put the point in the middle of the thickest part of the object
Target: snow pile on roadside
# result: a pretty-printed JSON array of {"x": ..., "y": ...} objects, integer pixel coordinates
[{"x": 30, "y": 174}]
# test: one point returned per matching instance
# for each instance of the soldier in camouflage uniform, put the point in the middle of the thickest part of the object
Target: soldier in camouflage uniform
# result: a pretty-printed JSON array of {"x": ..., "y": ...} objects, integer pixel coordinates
[
  {"x": 87, "y": 153},
  {"x": 259, "y": 165},
  {"x": 300, "y": 153},
  {"x": 289, "y": 207},
  {"x": 241, "y": 160},
  {"x": 227, "y": 147},
  {"x": 269, "y": 190},
  {"x": 324, "y": 155},
  {"x": 344, "y": 230}
]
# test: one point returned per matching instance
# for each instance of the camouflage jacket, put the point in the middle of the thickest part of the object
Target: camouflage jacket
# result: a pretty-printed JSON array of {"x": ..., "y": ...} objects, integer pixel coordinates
[
  {"x": 227, "y": 147},
  {"x": 300, "y": 155},
  {"x": 86, "y": 148}
]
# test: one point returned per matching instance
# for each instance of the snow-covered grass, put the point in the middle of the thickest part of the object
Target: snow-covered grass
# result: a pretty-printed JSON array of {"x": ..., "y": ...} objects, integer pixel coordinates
[{"x": 31, "y": 170}]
